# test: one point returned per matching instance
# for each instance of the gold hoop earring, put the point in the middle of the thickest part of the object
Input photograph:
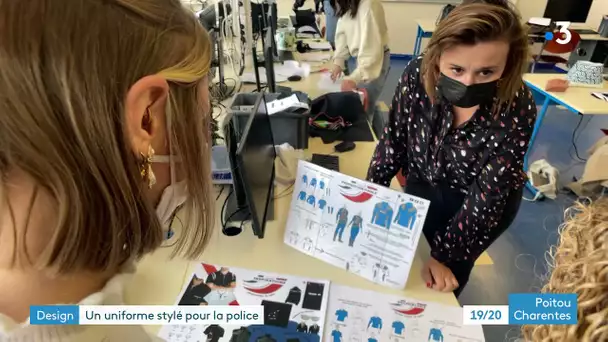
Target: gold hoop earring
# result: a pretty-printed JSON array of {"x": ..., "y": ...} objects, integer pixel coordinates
[{"x": 145, "y": 168}]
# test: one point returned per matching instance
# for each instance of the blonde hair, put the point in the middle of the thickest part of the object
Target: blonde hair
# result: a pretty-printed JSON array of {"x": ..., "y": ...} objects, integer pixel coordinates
[
  {"x": 469, "y": 24},
  {"x": 580, "y": 265},
  {"x": 65, "y": 70}
]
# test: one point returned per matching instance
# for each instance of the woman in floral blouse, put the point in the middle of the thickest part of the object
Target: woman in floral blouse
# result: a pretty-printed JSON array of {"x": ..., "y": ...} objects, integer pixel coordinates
[{"x": 459, "y": 128}]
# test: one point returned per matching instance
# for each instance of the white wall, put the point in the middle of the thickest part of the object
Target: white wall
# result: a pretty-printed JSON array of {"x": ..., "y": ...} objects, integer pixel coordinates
[
  {"x": 599, "y": 8},
  {"x": 401, "y": 20}
]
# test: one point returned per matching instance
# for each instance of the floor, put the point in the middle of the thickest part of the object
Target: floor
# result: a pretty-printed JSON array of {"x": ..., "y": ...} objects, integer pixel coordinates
[{"x": 520, "y": 252}]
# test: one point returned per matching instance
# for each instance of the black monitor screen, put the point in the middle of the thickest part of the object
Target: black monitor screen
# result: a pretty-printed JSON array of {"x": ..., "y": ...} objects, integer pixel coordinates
[
  {"x": 255, "y": 159},
  {"x": 575, "y": 11},
  {"x": 269, "y": 62}
]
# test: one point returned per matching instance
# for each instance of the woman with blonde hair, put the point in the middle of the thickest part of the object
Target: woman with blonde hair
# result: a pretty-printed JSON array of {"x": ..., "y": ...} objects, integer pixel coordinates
[
  {"x": 580, "y": 266},
  {"x": 104, "y": 132},
  {"x": 459, "y": 128}
]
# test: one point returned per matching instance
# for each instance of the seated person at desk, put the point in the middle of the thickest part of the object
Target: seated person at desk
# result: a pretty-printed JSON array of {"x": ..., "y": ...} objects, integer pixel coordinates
[
  {"x": 579, "y": 266},
  {"x": 80, "y": 119},
  {"x": 363, "y": 34},
  {"x": 459, "y": 126}
]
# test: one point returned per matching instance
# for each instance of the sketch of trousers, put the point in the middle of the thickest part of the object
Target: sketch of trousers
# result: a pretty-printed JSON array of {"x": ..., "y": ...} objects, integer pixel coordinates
[
  {"x": 354, "y": 231},
  {"x": 339, "y": 231}
]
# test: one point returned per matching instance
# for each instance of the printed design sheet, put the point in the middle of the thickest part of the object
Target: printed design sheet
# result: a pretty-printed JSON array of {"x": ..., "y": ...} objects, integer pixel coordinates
[
  {"x": 365, "y": 228},
  {"x": 294, "y": 307},
  {"x": 364, "y": 316}
]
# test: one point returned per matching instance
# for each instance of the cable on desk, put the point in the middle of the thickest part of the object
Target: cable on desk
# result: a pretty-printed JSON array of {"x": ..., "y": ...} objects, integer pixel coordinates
[
  {"x": 224, "y": 207},
  {"x": 220, "y": 194}
]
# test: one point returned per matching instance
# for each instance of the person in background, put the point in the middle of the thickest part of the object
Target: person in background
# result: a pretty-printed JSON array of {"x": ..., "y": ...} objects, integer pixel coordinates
[
  {"x": 580, "y": 266},
  {"x": 94, "y": 123},
  {"x": 326, "y": 6},
  {"x": 459, "y": 127},
  {"x": 331, "y": 22},
  {"x": 362, "y": 33}
]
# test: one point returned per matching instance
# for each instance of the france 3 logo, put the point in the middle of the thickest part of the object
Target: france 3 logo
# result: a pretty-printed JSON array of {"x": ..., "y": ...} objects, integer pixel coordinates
[{"x": 565, "y": 36}]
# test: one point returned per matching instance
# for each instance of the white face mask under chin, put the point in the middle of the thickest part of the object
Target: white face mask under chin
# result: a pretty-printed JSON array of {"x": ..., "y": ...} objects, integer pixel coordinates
[{"x": 172, "y": 198}]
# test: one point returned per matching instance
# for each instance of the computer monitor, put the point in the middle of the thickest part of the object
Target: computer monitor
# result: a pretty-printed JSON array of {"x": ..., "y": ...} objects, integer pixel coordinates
[
  {"x": 259, "y": 16},
  {"x": 255, "y": 158},
  {"x": 272, "y": 21},
  {"x": 269, "y": 62},
  {"x": 575, "y": 11}
]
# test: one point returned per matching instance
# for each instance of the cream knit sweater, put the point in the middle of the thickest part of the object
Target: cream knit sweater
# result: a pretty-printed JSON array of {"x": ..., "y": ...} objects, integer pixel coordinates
[
  {"x": 365, "y": 37},
  {"x": 111, "y": 294}
]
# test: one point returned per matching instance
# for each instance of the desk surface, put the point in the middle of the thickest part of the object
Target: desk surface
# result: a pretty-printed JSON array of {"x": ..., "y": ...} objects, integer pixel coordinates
[
  {"x": 578, "y": 98},
  {"x": 427, "y": 25},
  {"x": 159, "y": 280}
]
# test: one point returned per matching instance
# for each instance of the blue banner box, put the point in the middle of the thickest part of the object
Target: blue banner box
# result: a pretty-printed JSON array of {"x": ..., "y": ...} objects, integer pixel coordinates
[
  {"x": 54, "y": 314},
  {"x": 543, "y": 308}
]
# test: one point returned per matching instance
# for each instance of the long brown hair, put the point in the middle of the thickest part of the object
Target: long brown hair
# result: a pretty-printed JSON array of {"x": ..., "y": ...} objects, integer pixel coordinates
[
  {"x": 65, "y": 69},
  {"x": 469, "y": 24}
]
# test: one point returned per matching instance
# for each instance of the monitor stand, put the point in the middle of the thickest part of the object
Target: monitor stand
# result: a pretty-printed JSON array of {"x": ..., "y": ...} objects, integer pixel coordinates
[
  {"x": 283, "y": 56},
  {"x": 237, "y": 216}
]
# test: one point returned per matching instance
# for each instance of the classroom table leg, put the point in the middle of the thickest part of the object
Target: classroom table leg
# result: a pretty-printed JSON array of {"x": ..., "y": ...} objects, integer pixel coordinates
[
  {"x": 539, "y": 119},
  {"x": 418, "y": 41}
]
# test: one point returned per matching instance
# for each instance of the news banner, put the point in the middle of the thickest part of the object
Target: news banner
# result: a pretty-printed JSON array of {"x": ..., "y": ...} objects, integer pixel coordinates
[{"x": 523, "y": 308}]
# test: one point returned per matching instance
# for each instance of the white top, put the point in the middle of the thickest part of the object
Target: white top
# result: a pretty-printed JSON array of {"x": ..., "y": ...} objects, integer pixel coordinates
[
  {"x": 365, "y": 36},
  {"x": 111, "y": 294}
]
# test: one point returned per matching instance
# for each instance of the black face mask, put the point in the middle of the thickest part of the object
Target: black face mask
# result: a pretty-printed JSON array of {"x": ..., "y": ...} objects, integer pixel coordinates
[{"x": 464, "y": 96}]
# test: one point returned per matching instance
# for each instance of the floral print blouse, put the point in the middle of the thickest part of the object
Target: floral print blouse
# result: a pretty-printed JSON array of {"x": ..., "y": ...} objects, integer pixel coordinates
[{"x": 482, "y": 158}]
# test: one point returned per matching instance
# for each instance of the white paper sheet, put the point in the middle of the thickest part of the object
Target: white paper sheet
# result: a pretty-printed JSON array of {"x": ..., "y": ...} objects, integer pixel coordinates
[
  {"x": 292, "y": 68},
  {"x": 326, "y": 83},
  {"x": 291, "y": 102},
  {"x": 539, "y": 21},
  {"x": 356, "y": 225},
  {"x": 319, "y": 45},
  {"x": 315, "y": 57},
  {"x": 299, "y": 303},
  {"x": 305, "y": 35},
  {"x": 359, "y": 315},
  {"x": 306, "y": 29}
]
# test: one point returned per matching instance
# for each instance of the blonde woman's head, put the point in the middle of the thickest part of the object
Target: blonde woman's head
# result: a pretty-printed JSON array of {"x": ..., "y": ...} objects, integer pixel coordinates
[
  {"x": 580, "y": 265},
  {"x": 87, "y": 89}
]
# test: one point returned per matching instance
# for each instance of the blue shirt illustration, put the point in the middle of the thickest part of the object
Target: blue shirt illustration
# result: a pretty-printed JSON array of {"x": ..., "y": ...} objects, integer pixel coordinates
[
  {"x": 302, "y": 196},
  {"x": 375, "y": 322},
  {"x": 305, "y": 179},
  {"x": 341, "y": 315},
  {"x": 398, "y": 327},
  {"x": 336, "y": 335},
  {"x": 321, "y": 184},
  {"x": 311, "y": 200},
  {"x": 322, "y": 204},
  {"x": 383, "y": 215},
  {"x": 371, "y": 339},
  {"x": 435, "y": 335},
  {"x": 313, "y": 182},
  {"x": 406, "y": 216}
]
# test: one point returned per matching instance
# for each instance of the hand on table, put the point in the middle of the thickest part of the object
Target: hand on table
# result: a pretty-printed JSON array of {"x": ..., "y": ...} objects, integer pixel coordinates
[
  {"x": 348, "y": 85},
  {"x": 438, "y": 276},
  {"x": 336, "y": 70}
]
